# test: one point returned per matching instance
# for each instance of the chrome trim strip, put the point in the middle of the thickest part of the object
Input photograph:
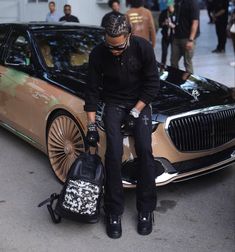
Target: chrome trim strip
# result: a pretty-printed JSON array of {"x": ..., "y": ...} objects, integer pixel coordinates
[
  {"x": 19, "y": 134},
  {"x": 198, "y": 172},
  {"x": 208, "y": 110},
  {"x": 201, "y": 174}
]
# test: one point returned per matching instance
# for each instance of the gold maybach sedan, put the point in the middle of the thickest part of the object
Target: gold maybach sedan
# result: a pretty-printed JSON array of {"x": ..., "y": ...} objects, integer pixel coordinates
[{"x": 43, "y": 71}]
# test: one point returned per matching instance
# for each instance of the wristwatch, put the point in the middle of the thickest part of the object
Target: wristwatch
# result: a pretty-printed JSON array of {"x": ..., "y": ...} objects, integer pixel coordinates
[
  {"x": 135, "y": 113},
  {"x": 91, "y": 126}
]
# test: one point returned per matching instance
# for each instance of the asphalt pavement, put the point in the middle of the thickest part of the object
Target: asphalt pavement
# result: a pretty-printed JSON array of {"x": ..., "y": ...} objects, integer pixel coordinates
[{"x": 196, "y": 215}]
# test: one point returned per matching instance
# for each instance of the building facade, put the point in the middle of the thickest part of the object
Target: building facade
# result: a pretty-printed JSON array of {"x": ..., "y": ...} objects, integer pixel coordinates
[{"x": 88, "y": 11}]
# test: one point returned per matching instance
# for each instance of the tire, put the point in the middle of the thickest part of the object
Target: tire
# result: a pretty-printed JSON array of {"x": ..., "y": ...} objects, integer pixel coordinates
[{"x": 65, "y": 141}]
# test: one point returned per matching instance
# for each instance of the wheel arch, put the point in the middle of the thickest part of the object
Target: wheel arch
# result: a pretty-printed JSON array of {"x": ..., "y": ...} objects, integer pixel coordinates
[{"x": 51, "y": 116}]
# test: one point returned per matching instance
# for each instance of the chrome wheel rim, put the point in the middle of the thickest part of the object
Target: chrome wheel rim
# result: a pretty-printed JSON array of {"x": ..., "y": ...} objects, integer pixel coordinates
[{"x": 65, "y": 143}]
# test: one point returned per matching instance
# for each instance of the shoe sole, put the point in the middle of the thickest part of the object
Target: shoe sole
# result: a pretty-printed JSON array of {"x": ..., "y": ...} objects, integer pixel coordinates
[
  {"x": 116, "y": 236},
  {"x": 145, "y": 232}
]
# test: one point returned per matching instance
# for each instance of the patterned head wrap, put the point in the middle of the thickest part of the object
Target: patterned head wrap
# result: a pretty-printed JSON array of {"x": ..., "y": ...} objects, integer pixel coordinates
[{"x": 117, "y": 26}]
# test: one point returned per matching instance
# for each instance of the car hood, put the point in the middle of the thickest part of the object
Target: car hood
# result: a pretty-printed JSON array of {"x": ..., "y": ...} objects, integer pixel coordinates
[{"x": 179, "y": 91}]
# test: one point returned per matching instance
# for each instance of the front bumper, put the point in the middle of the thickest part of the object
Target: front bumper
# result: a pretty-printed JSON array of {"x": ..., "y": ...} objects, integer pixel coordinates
[{"x": 177, "y": 172}]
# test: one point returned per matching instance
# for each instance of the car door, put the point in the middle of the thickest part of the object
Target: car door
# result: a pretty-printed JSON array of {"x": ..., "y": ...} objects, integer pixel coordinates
[
  {"x": 3, "y": 36},
  {"x": 19, "y": 85}
]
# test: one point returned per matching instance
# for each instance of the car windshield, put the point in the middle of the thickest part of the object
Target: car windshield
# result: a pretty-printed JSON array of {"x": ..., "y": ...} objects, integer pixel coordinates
[{"x": 65, "y": 50}]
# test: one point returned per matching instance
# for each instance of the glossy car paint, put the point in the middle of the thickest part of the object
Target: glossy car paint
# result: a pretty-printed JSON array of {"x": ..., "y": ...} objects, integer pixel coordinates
[{"x": 26, "y": 104}]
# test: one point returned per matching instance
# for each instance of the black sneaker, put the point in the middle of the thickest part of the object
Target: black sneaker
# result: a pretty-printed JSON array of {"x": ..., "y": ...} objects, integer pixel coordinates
[
  {"x": 113, "y": 226},
  {"x": 218, "y": 51},
  {"x": 145, "y": 223}
]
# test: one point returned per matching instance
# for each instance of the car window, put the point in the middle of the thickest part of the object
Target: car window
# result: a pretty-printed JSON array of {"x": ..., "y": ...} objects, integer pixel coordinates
[
  {"x": 67, "y": 49},
  {"x": 2, "y": 36},
  {"x": 19, "y": 51}
]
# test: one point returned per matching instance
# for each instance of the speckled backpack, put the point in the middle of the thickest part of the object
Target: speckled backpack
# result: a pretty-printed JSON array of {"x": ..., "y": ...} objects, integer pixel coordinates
[{"x": 80, "y": 197}]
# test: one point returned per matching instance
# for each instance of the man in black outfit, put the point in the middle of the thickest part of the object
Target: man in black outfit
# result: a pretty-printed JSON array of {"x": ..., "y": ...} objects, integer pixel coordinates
[
  {"x": 115, "y": 6},
  {"x": 124, "y": 66},
  {"x": 186, "y": 32},
  {"x": 209, "y": 6},
  {"x": 67, "y": 15},
  {"x": 167, "y": 23},
  {"x": 220, "y": 17}
]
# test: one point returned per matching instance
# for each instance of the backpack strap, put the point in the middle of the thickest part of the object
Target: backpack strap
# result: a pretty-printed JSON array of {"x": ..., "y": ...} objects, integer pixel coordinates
[{"x": 55, "y": 218}]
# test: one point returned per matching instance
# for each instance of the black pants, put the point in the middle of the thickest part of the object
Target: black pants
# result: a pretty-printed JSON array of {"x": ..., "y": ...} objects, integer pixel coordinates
[
  {"x": 233, "y": 40},
  {"x": 146, "y": 190},
  {"x": 221, "y": 32},
  {"x": 166, "y": 41},
  {"x": 209, "y": 11}
]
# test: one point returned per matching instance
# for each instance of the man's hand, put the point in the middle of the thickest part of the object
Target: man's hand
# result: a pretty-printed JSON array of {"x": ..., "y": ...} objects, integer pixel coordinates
[
  {"x": 166, "y": 22},
  {"x": 189, "y": 45},
  {"x": 130, "y": 120},
  {"x": 214, "y": 18},
  {"x": 172, "y": 26},
  {"x": 129, "y": 123},
  {"x": 92, "y": 136}
]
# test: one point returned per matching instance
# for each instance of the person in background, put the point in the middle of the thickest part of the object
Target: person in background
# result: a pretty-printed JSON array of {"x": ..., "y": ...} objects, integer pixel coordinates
[
  {"x": 126, "y": 69},
  {"x": 115, "y": 6},
  {"x": 141, "y": 20},
  {"x": 67, "y": 15},
  {"x": 232, "y": 33},
  {"x": 220, "y": 18},
  {"x": 52, "y": 16},
  {"x": 209, "y": 6},
  {"x": 186, "y": 32},
  {"x": 148, "y": 4},
  {"x": 167, "y": 23}
]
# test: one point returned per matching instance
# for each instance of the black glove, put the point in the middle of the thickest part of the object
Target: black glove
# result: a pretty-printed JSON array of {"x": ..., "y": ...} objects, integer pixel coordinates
[
  {"x": 129, "y": 123},
  {"x": 92, "y": 136}
]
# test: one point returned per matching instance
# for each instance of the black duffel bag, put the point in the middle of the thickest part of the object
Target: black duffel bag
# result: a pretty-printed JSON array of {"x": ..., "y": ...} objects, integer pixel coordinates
[{"x": 80, "y": 197}]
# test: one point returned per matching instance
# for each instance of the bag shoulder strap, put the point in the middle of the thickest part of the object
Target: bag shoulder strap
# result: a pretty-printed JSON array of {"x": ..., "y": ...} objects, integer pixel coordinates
[{"x": 55, "y": 218}]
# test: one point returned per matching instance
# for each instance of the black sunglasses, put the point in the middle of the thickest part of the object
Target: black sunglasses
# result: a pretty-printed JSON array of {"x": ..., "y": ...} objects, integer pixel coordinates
[{"x": 118, "y": 47}]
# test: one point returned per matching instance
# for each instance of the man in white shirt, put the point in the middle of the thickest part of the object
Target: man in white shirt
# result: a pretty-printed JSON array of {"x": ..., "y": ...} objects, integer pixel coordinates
[{"x": 52, "y": 16}]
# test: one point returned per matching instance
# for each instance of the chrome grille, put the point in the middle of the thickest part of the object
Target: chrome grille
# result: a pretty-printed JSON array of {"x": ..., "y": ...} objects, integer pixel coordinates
[{"x": 202, "y": 131}]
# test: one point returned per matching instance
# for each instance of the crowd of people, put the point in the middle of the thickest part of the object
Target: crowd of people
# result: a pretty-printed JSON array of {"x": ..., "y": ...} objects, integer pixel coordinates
[
  {"x": 53, "y": 15},
  {"x": 179, "y": 24}
]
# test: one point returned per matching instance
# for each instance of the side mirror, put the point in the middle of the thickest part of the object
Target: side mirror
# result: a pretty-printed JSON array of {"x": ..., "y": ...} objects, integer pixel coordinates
[
  {"x": 16, "y": 60},
  {"x": 20, "y": 61}
]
